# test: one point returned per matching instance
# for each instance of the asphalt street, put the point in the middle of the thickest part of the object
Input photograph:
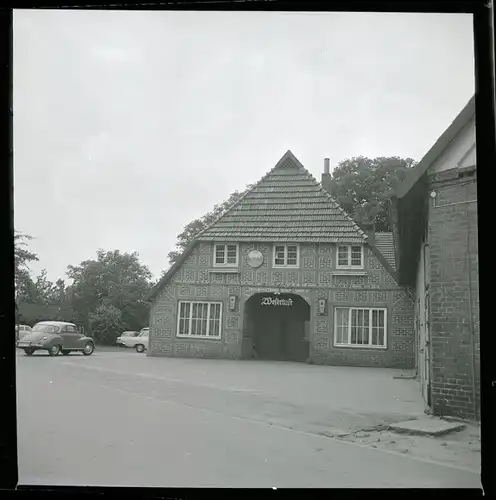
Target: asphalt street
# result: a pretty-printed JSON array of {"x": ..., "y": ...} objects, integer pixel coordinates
[{"x": 119, "y": 418}]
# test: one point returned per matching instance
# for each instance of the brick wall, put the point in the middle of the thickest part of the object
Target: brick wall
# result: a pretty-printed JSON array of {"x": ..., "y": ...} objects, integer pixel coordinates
[
  {"x": 197, "y": 279},
  {"x": 450, "y": 289}
]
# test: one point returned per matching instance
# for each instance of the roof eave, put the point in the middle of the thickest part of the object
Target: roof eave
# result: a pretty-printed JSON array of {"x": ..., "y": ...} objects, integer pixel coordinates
[
  {"x": 439, "y": 146},
  {"x": 168, "y": 275}
]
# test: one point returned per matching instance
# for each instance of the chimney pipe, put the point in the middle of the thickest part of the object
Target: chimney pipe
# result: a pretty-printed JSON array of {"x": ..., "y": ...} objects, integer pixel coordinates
[{"x": 326, "y": 176}]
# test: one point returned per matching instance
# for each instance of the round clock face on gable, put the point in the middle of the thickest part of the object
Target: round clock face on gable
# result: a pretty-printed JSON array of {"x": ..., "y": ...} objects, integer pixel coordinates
[{"x": 255, "y": 258}]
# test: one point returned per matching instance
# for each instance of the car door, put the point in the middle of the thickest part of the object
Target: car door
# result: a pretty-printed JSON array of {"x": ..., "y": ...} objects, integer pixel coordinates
[{"x": 70, "y": 337}]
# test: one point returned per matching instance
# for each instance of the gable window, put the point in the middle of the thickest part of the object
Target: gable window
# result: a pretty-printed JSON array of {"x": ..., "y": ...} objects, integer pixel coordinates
[
  {"x": 199, "y": 319},
  {"x": 364, "y": 327},
  {"x": 286, "y": 256},
  {"x": 226, "y": 255},
  {"x": 350, "y": 256}
]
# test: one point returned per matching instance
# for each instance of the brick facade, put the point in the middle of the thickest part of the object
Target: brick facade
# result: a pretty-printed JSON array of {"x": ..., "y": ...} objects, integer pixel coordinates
[
  {"x": 452, "y": 284},
  {"x": 316, "y": 278}
]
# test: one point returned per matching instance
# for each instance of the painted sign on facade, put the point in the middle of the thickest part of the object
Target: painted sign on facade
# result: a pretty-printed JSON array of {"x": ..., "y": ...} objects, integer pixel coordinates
[{"x": 271, "y": 301}]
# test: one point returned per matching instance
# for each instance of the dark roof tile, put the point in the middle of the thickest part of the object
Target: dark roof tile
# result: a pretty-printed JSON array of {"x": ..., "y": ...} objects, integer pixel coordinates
[{"x": 287, "y": 204}]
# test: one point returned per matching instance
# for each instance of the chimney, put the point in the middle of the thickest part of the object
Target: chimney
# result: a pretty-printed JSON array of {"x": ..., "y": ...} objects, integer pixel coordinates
[{"x": 326, "y": 176}]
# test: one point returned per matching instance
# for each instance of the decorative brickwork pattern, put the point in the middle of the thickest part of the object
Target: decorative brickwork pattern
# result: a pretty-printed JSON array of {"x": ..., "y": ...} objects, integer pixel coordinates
[
  {"x": 206, "y": 248},
  {"x": 232, "y": 279},
  {"x": 325, "y": 248},
  {"x": 358, "y": 281},
  {"x": 375, "y": 264},
  {"x": 321, "y": 326},
  {"x": 201, "y": 291},
  {"x": 308, "y": 250},
  {"x": 321, "y": 342},
  {"x": 309, "y": 262},
  {"x": 340, "y": 296},
  {"x": 161, "y": 347},
  {"x": 189, "y": 276},
  {"x": 309, "y": 278},
  {"x": 388, "y": 279},
  {"x": 217, "y": 278},
  {"x": 185, "y": 291},
  {"x": 234, "y": 290},
  {"x": 247, "y": 278},
  {"x": 325, "y": 278},
  {"x": 180, "y": 349},
  {"x": 232, "y": 336},
  {"x": 276, "y": 278},
  {"x": 374, "y": 279},
  {"x": 261, "y": 277},
  {"x": 177, "y": 277},
  {"x": 379, "y": 297},
  {"x": 360, "y": 296},
  {"x": 232, "y": 321},
  {"x": 204, "y": 261},
  {"x": 325, "y": 262},
  {"x": 203, "y": 276},
  {"x": 216, "y": 291},
  {"x": 191, "y": 260},
  {"x": 293, "y": 278},
  {"x": 322, "y": 294}
]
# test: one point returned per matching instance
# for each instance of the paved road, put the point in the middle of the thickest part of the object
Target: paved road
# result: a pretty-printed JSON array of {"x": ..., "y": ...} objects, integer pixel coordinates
[{"x": 122, "y": 419}]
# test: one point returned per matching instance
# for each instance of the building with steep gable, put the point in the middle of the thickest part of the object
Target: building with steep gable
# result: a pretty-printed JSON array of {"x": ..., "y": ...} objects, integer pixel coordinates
[
  {"x": 434, "y": 214},
  {"x": 285, "y": 274}
]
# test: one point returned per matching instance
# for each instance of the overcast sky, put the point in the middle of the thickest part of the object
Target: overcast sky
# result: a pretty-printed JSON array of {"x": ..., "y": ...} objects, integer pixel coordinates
[{"x": 128, "y": 125}]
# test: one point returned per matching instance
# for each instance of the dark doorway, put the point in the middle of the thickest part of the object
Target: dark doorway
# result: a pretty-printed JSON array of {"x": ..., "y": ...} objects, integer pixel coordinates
[{"x": 276, "y": 326}]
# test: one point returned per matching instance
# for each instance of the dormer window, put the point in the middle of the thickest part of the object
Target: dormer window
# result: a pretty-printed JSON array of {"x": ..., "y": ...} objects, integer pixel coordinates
[
  {"x": 350, "y": 257},
  {"x": 286, "y": 256},
  {"x": 226, "y": 255}
]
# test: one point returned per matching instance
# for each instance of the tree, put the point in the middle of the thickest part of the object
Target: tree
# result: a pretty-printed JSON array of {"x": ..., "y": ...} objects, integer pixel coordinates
[
  {"x": 361, "y": 185},
  {"x": 22, "y": 257},
  {"x": 195, "y": 226},
  {"x": 105, "y": 323},
  {"x": 113, "y": 281}
]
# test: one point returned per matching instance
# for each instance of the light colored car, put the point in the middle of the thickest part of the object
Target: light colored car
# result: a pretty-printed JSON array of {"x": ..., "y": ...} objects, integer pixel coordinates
[
  {"x": 140, "y": 343},
  {"x": 22, "y": 331},
  {"x": 124, "y": 339},
  {"x": 56, "y": 337}
]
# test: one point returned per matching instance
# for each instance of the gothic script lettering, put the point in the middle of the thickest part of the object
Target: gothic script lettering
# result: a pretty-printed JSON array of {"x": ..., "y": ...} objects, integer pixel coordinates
[{"x": 271, "y": 301}]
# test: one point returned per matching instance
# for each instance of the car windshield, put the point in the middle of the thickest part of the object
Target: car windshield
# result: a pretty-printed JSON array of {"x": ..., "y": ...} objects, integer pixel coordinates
[
  {"x": 46, "y": 328},
  {"x": 144, "y": 333},
  {"x": 128, "y": 334}
]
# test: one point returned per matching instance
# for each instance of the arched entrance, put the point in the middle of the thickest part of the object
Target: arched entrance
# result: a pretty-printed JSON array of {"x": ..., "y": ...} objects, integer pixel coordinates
[{"x": 276, "y": 327}]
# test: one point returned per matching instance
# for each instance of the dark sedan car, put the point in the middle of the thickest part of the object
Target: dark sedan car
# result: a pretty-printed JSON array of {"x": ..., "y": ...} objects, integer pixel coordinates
[{"x": 56, "y": 337}]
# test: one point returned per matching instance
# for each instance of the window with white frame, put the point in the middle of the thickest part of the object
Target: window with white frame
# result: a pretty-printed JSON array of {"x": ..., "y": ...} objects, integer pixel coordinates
[
  {"x": 226, "y": 255},
  {"x": 286, "y": 256},
  {"x": 365, "y": 327},
  {"x": 199, "y": 319},
  {"x": 350, "y": 256}
]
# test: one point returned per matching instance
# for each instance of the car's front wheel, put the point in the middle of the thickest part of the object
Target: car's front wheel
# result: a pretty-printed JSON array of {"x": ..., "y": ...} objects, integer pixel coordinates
[
  {"x": 140, "y": 348},
  {"x": 88, "y": 349},
  {"x": 54, "y": 350},
  {"x": 29, "y": 351}
]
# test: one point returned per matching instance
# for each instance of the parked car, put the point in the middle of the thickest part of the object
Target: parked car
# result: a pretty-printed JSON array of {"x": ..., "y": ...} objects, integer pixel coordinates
[
  {"x": 140, "y": 342},
  {"x": 56, "y": 337},
  {"x": 124, "y": 339},
  {"x": 22, "y": 330}
]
